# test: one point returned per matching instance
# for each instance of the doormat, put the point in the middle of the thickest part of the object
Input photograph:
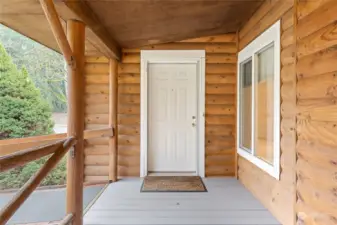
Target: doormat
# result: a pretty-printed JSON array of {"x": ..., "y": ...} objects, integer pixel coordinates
[{"x": 173, "y": 184}]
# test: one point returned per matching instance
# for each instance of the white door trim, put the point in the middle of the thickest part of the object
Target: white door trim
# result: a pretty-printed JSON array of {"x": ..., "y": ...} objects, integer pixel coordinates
[{"x": 173, "y": 56}]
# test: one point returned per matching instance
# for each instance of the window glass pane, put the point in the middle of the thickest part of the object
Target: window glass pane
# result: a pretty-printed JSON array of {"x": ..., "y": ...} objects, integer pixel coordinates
[
  {"x": 264, "y": 106},
  {"x": 245, "y": 105}
]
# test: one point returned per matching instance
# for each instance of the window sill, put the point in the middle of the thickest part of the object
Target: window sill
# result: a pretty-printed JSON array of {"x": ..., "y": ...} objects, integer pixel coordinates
[{"x": 263, "y": 165}]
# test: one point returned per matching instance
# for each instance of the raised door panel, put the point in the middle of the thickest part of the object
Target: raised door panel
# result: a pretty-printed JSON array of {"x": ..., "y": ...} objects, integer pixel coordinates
[{"x": 172, "y": 106}]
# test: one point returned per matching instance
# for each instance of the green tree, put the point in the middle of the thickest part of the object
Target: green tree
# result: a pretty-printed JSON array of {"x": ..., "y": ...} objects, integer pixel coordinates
[
  {"x": 45, "y": 66},
  {"x": 23, "y": 112}
]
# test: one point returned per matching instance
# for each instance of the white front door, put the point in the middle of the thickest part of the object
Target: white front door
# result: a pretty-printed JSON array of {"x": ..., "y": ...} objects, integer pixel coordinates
[{"x": 172, "y": 112}]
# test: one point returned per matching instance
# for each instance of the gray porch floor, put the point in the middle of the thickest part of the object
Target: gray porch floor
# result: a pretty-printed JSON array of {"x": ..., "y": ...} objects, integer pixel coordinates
[
  {"x": 46, "y": 205},
  {"x": 226, "y": 202}
]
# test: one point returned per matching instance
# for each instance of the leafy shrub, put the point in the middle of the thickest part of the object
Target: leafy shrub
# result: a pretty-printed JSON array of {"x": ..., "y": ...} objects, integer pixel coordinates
[
  {"x": 23, "y": 113},
  {"x": 17, "y": 177}
]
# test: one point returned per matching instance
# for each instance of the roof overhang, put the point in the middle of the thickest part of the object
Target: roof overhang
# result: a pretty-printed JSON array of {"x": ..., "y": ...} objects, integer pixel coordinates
[{"x": 116, "y": 24}]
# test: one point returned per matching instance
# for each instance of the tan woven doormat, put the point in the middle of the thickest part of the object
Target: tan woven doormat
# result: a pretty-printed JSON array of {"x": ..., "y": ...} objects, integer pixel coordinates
[{"x": 173, "y": 184}]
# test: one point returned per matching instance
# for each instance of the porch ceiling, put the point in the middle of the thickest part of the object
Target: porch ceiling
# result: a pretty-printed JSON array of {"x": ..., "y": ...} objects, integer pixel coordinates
[
  {"x": 27, "y": 18},
  {"x": 144, "y": 22},
  {"x": 130, "y": 23}
]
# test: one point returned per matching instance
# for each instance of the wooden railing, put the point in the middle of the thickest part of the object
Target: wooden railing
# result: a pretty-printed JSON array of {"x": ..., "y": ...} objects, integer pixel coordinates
[
  {"x": 18, "y": 144},
  {"x": 68, "y": 219},
  {"x": 57, "y": 149}
]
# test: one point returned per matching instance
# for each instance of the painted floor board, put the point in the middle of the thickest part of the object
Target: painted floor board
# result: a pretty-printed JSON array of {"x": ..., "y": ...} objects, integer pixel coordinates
[
  {"x": 226, "y": 202},
  {"x": 46, "y": 205}
]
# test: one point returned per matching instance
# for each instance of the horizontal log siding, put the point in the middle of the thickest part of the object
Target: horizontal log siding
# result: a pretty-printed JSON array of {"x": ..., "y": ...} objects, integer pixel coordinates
[
  {"x": 277, "y": 195},
  {"x": 96, "y": 151},
  {"x": 316, "y": 166},
  {"x": 220, "y": 104},
  {"x": 220, "y": 108}
]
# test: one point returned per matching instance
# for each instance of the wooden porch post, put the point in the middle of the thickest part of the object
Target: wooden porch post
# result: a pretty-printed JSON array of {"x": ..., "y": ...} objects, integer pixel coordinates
[
  {"x": 113, "y": 142},
  {"x": 75, "y": 164}
]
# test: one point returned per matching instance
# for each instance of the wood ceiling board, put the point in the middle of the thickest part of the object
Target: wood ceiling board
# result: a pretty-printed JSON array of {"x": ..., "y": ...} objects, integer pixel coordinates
[
  {"x": 144, "y": 22},
  {"x": 165, "y": 21},
  {"x": 20, "y": 7},
  {"x": 27, "y": 18},
  {"x": 34, "y": 27}
]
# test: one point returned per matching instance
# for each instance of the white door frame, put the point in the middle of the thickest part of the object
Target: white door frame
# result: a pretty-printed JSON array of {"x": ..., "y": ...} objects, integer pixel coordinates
[{"x": 173, "y": 56}]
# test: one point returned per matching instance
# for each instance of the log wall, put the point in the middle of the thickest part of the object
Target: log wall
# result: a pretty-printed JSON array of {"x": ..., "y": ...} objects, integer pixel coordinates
[
  {"x": 316, "y": 166},
  {"x": 96, "y": 160},
  {"x": 220, "y": 104},
  {"x": 277, "y": 195},
  {"x": 306, "y": 191},
  {"x": 221, "y": 61}
]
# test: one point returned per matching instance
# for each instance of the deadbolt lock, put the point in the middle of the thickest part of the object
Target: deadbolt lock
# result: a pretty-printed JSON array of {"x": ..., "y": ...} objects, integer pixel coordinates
[{"x": 194, "y": 121}]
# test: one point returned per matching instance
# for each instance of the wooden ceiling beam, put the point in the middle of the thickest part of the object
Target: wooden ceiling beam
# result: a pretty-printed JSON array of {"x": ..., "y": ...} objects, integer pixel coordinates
[
  {"x": 57, "y": 29},
  {"x": 87, "y": 15}
]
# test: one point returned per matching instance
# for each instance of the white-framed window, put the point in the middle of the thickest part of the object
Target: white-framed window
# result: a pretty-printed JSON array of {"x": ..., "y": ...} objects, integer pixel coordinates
[{"x": 258, "y": 106}]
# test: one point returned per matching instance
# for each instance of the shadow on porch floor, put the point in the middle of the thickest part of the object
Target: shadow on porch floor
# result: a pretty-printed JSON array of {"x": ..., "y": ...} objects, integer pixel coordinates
[
  {"x": 226, "y": 202},
  {"x": 45, "y": 205}
]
